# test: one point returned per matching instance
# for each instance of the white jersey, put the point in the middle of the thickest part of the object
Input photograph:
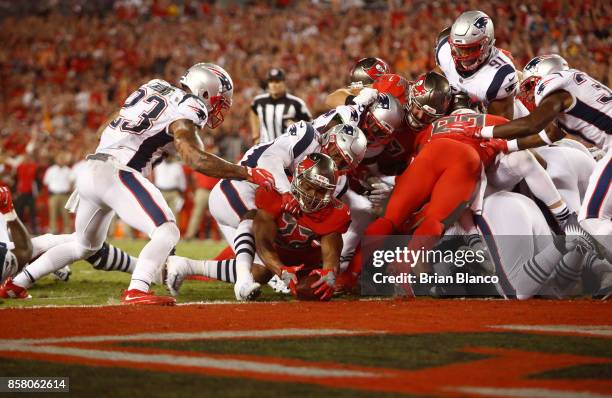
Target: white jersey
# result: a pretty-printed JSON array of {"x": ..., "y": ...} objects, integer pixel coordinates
[
  {"x": 494, "y": 80},
  {"x": 139, "y": 137},
  {"x": 590, "y": 115},
  {"x": 281, "y": 156}
]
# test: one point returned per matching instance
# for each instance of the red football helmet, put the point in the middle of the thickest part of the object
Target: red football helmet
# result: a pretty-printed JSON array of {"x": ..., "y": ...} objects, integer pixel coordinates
[{"x": 366, "y": 70}]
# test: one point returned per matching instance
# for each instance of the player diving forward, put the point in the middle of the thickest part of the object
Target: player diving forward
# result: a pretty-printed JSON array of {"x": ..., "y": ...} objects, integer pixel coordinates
[
  {"x": 579, "y": 105},
  {"x": 155, "y": 120},
  {"x": 287, "y": 244}
]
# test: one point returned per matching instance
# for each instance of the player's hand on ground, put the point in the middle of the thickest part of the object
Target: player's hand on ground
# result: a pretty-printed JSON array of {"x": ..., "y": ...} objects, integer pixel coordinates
[
  {"x": 366, "y": 96},
  {"x": 6, "y": 201},
  {"x": 290, "y": 204},
  {"x": 325, "y": 285},
  {"x": 260, "y": 177},
  {"x": 289, "y": 277},
  {"x": 379, "y": 193}
]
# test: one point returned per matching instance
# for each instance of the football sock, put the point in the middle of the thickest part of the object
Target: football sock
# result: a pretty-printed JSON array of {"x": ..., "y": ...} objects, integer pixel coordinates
[
  {"x": 244, "y": 246},
  {"x": 538, "y": 270},
  {"x": 111, "y": 258},
  {"x": 154, "y": 255}
]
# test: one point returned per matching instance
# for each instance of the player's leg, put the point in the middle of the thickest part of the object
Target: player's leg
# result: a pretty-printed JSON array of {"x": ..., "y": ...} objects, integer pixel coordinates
[
  {"x": 91, "y": 224},
  {"x": 596, "y": 211},
  {"x": 141, "y": 205},
  {"x": 361, "y": 217},
  {"x": 524, "y": 165}
]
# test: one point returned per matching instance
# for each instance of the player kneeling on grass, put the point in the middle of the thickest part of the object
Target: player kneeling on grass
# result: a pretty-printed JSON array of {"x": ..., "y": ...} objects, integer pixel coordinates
[{"x": 291, "y": 246}]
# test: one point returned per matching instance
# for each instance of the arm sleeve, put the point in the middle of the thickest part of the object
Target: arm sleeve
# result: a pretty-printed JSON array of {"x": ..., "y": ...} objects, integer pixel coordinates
[{"x": 285, "y": 150}]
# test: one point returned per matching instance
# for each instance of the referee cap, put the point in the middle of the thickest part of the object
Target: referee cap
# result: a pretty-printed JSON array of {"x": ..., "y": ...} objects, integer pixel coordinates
[{"x": 276, "y": 75}]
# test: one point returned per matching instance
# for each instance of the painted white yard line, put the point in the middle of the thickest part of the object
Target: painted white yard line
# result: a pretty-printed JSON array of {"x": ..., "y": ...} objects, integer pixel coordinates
[
  {"x": 590, "y": 330},
  {"x": 528, "y": 392},
  {"x": 205, "y": 335},
  {"x": 204, "y": 362}
]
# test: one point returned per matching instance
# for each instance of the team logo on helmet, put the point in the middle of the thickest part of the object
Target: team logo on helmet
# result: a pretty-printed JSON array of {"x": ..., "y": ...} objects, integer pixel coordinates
[
  {"x": 481, "y": 24},
  {"x": 533, "y": 63}
]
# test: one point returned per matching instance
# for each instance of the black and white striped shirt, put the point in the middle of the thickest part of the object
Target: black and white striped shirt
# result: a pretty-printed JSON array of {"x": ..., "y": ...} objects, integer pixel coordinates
[{"x": 276, "y": 114}]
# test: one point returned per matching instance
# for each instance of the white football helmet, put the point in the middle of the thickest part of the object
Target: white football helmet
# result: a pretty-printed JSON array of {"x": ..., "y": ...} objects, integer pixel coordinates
[
  {"x": 533, "y": 72},
  {"x": 346, "y": 145},
  {"x": 214, "y": 86},
  {"x": 381, "y": 120},
  {"x": 471, "y": 40}
]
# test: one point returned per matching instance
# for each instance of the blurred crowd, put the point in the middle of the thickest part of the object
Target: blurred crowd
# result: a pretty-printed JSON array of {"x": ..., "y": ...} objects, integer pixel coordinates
[{"x": 65, "y": 65}]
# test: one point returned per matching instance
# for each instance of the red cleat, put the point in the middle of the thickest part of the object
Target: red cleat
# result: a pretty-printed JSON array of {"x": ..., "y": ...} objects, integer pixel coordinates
[
  {"x": 138, "y": 297},
  {"x": 10, "y": 290}
]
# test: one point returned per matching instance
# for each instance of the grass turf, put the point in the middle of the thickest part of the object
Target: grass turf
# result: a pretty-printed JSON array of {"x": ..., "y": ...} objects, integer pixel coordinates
[{"x": 88, "y": 286}]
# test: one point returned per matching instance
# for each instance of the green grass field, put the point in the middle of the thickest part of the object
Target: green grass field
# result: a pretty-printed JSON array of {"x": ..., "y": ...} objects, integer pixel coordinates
[{"x": 88, "y": 286}]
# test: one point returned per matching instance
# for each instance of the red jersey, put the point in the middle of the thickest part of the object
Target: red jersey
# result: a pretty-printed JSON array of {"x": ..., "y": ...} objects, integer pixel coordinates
[
  {"x": 304, "y": 231},
  {"x": 487, "y": 152},
  {"x": 394, "y": 85}
]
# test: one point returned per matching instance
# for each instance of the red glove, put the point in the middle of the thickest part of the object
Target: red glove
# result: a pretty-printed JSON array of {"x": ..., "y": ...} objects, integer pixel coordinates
[
  {"x": 6, "y": 201},
  {"x": 498, "y": 144},
  {"x": 260, "y": 177},
  {"x": 288, "y": 275},
  {"x": 325, "y": 284},
  {"x": 290, "y": 204},
  {"x": 466, "y": 128}
]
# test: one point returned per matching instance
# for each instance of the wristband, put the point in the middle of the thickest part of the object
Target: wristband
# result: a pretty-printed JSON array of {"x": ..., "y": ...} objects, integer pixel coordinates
[
  {"x": 512, "y": 146},
  {"x": 487, "y": 132},
  {"x": 10, "y": 216}
]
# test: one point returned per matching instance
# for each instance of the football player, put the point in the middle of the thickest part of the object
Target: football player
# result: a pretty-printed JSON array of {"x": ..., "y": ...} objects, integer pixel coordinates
[
  {"x": 467, "y": 56},
  {"x": 157, "y": 119},
  {"x": 528, "y": 259},
  {"x": 286, "y": 242},
  {"x": 579, "y": 105}
]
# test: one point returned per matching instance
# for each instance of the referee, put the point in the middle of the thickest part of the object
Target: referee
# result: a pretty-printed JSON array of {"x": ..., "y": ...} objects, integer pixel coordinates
[{"x": 273, "y": 111}]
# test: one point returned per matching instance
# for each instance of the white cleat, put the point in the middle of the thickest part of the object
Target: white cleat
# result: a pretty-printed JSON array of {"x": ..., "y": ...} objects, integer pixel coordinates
[
  {"x": 247, "y": 291},
  {"x": 277, "y": 284},
  {"x": 176, "y": 271},
  {"x": 62, "y": 274}
]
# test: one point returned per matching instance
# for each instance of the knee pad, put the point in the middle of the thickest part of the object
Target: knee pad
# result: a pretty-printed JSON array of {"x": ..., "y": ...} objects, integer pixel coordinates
[{"x": 168, "y": 232}]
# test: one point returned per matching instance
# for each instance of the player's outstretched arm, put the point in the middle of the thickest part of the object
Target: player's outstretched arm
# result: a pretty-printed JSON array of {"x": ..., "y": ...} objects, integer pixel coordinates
[
  {"x": 264, "y": 229},
  {"x": 191, "y": 150},
  {"x": 536, "y": 121}
]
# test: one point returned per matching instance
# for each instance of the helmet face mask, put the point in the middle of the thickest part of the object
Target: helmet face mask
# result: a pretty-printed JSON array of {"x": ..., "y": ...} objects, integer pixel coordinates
[
  {"x": 471, "y": 40},
  {"x": 314, "y": 182}
]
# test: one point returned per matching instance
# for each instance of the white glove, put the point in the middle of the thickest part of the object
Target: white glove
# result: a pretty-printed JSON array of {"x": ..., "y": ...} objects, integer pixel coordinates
[
  {"x": 379, "y": 193},
  {"x": 366, "y": 96}
]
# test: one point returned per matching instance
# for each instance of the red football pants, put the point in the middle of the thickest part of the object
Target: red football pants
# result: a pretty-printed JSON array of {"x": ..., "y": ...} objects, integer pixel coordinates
[{"x": 444, "y": 175}]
